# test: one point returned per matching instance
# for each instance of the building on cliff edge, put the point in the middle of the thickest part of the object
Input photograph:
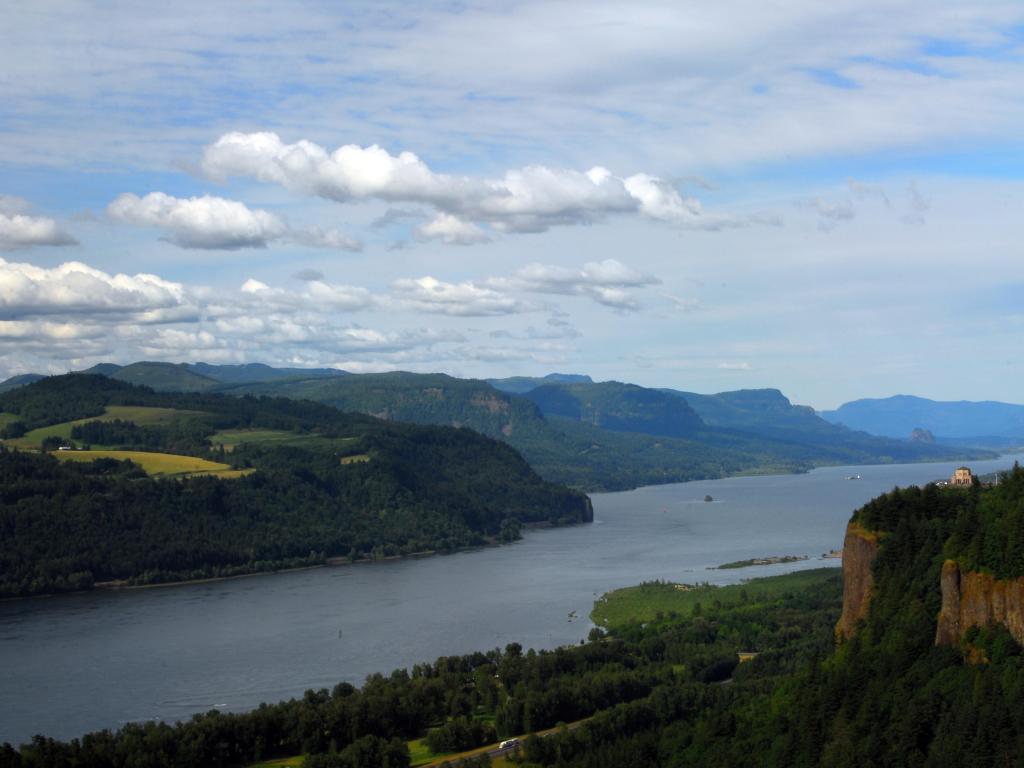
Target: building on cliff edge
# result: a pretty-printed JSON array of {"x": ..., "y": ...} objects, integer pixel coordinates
[{"x": 962, "y": 476}]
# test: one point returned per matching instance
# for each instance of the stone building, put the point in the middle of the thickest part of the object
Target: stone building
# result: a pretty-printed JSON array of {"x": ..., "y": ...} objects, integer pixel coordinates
[{"x": 961, "y": 476}]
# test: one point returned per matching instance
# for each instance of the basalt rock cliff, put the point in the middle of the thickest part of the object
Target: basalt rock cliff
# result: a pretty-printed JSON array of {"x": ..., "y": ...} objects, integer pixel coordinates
[
  {"x": 859, "y": 549},
  {"x": 971, "y": 599}
]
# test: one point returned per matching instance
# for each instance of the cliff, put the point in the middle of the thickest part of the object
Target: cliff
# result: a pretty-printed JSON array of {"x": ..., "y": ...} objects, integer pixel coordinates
[
  {"x": 859, "y": 549},
  {"x": 976, "y": 599}
]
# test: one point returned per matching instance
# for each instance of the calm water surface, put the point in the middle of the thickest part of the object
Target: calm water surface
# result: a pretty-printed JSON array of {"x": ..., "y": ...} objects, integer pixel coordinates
[{"x": 84, "y": 662}]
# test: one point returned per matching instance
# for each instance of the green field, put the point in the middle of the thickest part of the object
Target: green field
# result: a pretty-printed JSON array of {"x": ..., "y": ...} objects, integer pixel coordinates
[
  {"x": 138, "y": 414},
  {"x": 7, "y": 418},
  {"x": 645, "y": 602},
  {"x": 420, "y": 754},
  {"x": 232, "y": 438},
  {"x": 284, "y": 762},
  {"x": 159, "y": 464}
]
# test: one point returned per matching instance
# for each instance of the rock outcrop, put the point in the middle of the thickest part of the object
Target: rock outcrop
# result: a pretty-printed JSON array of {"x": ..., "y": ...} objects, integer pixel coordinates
[
  {"x": 859, "y": 549},
  {"x": 972, "y": 599}
]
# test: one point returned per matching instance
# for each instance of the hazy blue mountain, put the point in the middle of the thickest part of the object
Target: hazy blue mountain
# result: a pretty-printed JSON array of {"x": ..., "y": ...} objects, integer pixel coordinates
[
  {"x": 256, "y": 372},
  {"x": 765, "y": 412},
  {"x": 518, "y": 385},
  {"x": 900, "y": 415}
]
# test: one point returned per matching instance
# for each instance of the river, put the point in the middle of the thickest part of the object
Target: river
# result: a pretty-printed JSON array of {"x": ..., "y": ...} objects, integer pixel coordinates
[{"x": 83, "y": 662}]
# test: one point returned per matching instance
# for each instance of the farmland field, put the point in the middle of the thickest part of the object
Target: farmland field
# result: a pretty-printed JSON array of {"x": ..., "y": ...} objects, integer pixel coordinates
[
  {"x": 140, "y": 415},
  {"x": 232, "y": 438},
  {"x": 159, "y": 464}
]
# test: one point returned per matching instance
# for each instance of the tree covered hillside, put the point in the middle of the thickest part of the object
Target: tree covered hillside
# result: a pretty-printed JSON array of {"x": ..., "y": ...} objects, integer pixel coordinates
[{"x": 320, "y": 484}]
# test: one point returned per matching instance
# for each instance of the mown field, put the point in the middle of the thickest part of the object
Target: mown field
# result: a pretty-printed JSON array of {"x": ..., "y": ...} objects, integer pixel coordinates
[
  {"x": 232, "y": 438},
  {"x": 160, "y": 464},
  {"x": 140, "y": 415},
  {"x": 653, "y": 600}
]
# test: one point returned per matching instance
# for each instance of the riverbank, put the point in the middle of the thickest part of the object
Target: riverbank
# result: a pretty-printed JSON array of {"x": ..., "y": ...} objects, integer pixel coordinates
[{"x": 330, "y": 562}]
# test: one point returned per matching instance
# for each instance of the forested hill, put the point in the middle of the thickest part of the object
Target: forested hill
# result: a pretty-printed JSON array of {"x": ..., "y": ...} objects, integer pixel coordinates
[
  {"x": 309, "y": 483},
  {"x": 593, "y": 436},
  {"x": 618, "y": 407},
  {"x": 610, "y": 436}
]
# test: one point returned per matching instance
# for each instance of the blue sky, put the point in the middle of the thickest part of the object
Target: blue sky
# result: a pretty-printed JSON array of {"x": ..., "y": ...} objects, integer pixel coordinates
[{"x": 823, "y": 198}]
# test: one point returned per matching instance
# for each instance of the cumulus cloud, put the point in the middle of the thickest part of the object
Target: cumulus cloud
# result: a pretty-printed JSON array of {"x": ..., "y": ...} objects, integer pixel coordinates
[
  {"x": 200, "y": 222},
  {"x": 215, "y": 223},
  {"x": 308, "y": 275},
  {"x": 75, "y": 315},
  {"x": 465, "y": 299},
  {"x": 75, "y": 288},
  {"x": 318, "y": 295},
  {"x": 20, "y": 230},
  {"x": 530, "y": 199},
  {"x": 607, "y": 282},
  {"x": 451, "y": 230}
]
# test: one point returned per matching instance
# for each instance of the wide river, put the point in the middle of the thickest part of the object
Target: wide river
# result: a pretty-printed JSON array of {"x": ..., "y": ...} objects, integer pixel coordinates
[{"x": 84, "y": 662}]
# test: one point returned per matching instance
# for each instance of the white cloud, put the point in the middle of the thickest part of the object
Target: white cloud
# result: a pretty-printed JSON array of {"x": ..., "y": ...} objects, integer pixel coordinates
[
  {"x": 466, "y": 299},
  {"x": 530, "y": 199},
  {"x": 20, "y": 230},
  {"x": 331, "y": 238},
  {"x": 200, "y": 222},
  {"x": 451, "y": 230},
  {"x": 210, "y": 222},
  {"x": 74, "y": 288},
  {"x": 317, "y": 296},
  {"x": 607, "y": 282},
  {"x": 75, "y": 315}
]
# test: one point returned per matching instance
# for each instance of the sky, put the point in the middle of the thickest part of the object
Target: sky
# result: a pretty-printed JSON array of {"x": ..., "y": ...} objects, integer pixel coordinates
[{"x": 825, "y": 198}]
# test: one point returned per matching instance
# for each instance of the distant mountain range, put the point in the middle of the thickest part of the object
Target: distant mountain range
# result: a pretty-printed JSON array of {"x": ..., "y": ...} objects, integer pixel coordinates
[
  {"x": 197, "y": 377},
  {"x": 572, "y": 430},
  {"x": 963, "y": 420}
]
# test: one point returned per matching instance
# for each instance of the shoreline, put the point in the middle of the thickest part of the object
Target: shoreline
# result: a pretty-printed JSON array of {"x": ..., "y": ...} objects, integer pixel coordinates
[
  {"x": 336, "y": 561},
  {"x": 330, "y": 562}
]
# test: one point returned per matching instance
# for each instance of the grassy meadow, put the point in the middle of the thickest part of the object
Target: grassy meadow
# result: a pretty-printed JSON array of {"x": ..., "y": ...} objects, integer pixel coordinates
[
  {"x": 232, "y": 438},
  {"x": 159, "y": 464},
  {"x": 645, "y": 602}
]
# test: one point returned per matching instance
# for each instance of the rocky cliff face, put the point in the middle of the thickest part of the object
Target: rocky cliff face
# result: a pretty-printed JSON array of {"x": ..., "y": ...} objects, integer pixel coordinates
[
  {"x": 977, "y": 599},
  {"x": 859, "y": 549}
]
